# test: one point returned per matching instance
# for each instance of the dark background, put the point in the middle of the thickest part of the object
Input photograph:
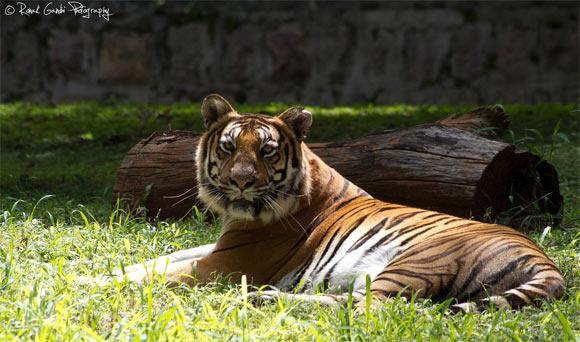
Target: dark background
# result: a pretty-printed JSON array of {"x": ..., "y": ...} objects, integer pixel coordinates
[{"x": 314, "y": 52}]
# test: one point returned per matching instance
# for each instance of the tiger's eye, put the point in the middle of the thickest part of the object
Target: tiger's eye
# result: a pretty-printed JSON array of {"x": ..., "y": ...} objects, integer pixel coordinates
[
  {"x": 269, "y": 151},
  {"x": 227, "y": 146}
]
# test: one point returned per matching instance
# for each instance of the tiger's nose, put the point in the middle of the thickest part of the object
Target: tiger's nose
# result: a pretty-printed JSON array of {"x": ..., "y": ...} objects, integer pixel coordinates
[
  {"x": 243, "y": 177},
  {"x": 243, "y": 183}
]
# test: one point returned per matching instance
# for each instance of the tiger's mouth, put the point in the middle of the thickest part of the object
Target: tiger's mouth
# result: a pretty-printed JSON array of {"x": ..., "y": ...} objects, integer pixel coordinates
[
  {"x": 241, "y": 203},
  {"x": 245, "y": 207},
  {"x": 265, "y": 203}
]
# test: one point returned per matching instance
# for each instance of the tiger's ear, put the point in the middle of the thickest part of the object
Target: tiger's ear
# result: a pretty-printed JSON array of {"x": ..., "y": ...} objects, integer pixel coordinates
[
  {"x": 214, "y": 107},
  {"x": 298, "y": 120}
]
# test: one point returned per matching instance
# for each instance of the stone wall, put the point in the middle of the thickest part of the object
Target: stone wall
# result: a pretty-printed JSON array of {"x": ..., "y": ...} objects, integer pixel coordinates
[{"x": 312, "y": 52}]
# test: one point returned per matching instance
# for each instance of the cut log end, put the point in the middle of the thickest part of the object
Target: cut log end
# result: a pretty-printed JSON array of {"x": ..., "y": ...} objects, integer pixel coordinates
[
  {"x": 534, "y": 197},
  {"x": 493, "y": 189}
]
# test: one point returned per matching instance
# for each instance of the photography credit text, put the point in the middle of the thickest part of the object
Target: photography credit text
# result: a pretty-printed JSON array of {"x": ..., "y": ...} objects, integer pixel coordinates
[{"x": 57, "y": 8}]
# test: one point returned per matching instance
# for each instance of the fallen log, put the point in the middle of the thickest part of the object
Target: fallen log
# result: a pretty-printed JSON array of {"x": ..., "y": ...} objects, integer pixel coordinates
[{"x": 434, "y": 166}]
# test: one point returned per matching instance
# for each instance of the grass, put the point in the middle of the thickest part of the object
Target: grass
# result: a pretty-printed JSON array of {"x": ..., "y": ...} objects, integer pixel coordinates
[{"x": 58, "y": 164}]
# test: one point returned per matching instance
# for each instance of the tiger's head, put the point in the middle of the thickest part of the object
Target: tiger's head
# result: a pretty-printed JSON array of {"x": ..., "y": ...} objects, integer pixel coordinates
[{"x": 250, "y": 166}]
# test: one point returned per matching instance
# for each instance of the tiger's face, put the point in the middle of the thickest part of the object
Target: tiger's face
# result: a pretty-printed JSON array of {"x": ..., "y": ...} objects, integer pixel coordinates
[{"x": 250, "y": 166}]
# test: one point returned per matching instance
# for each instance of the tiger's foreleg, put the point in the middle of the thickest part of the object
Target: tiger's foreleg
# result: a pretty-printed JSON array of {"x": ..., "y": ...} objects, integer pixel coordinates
[
  {"x": 322, "y": 299},
  {"x": 178, "y": 268},
  {"x": 186, "y": 254},
  {"x": 358, "y": 298}
]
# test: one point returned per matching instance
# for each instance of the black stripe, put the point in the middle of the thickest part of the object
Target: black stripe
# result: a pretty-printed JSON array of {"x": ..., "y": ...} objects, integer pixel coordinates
[
  {"x": 435, "y": 215},
  {"x": 415, "y": 226},
  {"x": 349, "y": 214},
  {"x": 236, "y": 246},
  {"x": 295, "y": 163},
  {"x": 432, "y": 258},
  {"x": 326, "y": 248},
  {"x": 370, "y": 233},
  {"x": 530, "y": 294},
  {"x": 468, "y": 224},
  {"x": 393, "y": 224},
  {"x": 446, "y": 286},
  {"x": 215, "y": 129},
  {"x": 411, "y": 274},
  {"x": 343, "y": 238},
  {"x": 362, "y": 192},
  {"x": 326, "y": 213},
  {"x": 509, "y": 268},
  {"x": 410, "y": 238},
  {"x": 547, "y": 264},
  {"x": 344, "y": 203},
  {"x": 284, "y": 170},
  {"x": 463, "y": 242},
  {"x": 481, "y": 264},
  {"x": 453, "y": 220},
  {"x": 300, "y": 273},
  {"x": 385, "y": 278},
  {"x": 345, "y": 185},
  {"x": 402, "y": 217},
  {"x": 538, "y": 286},
  {"x": 500, "y": 275},
  {"x": 381, "y": 242},
  {"x": 515, "y": 301}
]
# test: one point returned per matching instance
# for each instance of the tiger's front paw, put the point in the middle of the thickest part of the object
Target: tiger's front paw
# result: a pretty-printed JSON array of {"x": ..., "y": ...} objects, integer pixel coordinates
[
  {"x": 135, "y": 275},
  {"x": 99, "y": 280},
  {"x": 258, "y": 298}
]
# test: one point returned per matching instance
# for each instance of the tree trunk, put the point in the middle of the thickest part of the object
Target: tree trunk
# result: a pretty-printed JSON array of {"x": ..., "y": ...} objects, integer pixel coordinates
[{"x": 434, "y": 166}]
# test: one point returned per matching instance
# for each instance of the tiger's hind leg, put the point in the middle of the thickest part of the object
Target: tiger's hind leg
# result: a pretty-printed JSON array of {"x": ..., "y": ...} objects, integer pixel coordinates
[
  {"x": 505, "y": 273},
  {"x": 546, "y": 283}
]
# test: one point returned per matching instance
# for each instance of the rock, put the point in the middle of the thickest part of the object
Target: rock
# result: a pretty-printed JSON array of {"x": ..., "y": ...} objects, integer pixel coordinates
[
  {"x": 468, "y": 50},
  {"x": 126, "y": 57},
  {"x": 192, "y": 58},
  {"x": 397, "y": 18},
  {"x": 21, "y": 74},
  {"x": 72, "y": 53},
  {"x": 513, "y": 49},
  {"x": 377, "y": 68},
  {"x": 425, "y": 53},
  {"x": 289, "y": 60}
]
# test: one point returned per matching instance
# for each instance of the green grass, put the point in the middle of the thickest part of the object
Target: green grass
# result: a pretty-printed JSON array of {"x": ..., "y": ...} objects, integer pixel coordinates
[{"x": 72, "y": 151}]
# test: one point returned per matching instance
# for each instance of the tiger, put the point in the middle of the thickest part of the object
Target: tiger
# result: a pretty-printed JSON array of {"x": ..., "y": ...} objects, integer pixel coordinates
[{"x": 292, "y": 222}]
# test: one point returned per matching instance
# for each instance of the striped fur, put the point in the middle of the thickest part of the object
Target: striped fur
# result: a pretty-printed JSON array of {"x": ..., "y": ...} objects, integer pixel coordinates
[{"x": 292, "y": 221}]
